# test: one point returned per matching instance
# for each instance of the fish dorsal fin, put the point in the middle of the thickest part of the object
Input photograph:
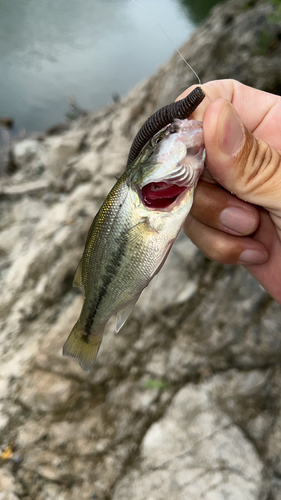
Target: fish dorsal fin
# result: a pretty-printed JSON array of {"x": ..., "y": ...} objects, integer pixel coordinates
[
  {"x": 77, "y": 282},
  {"x": 123, "y": 314}
]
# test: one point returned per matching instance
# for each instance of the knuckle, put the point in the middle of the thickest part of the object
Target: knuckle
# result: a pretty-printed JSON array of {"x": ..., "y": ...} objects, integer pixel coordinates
[
  {"x": 223, "y": 249},
  {"x": 258, "y": 165},
  {"x": 214, "y": 244},
  {"x": 221, "y": 252}
]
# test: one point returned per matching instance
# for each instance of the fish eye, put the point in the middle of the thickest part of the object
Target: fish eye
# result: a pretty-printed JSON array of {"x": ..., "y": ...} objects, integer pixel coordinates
[{"x": 155, "y": 140}]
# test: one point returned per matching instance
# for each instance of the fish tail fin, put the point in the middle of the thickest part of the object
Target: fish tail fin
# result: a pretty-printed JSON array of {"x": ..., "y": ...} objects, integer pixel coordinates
[{"x": 82, "y": 346}]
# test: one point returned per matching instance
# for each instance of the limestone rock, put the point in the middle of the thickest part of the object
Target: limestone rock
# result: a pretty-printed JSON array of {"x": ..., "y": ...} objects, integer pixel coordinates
[
  {"x": 7, "y": 495},
  {"x": 195, "y": 451}
]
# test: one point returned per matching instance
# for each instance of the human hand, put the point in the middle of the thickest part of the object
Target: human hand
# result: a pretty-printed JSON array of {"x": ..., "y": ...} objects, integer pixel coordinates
[{"x": 236, "y": 214}]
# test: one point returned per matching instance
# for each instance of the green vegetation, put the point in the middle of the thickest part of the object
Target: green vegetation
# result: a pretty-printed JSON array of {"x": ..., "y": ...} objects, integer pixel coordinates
[
  {"x": 155, "y": 384},
  {"x": 275, "y": 17},
  {"x": 265, "y": 42}
]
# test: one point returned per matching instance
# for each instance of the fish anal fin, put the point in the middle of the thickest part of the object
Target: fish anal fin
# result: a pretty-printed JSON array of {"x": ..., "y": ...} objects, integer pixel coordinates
[
  {"x": 81, "y": 346},
  {"x": 123, "y": 314},
  {"x": 77, "y": 282}
]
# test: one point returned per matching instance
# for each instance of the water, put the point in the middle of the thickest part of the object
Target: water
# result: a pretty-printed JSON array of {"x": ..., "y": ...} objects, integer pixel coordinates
[{"x": 91, "y": 50}]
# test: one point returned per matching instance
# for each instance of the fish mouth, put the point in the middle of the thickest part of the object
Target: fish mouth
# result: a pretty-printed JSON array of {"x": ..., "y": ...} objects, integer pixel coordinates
[{"x": 161, "y": 195}]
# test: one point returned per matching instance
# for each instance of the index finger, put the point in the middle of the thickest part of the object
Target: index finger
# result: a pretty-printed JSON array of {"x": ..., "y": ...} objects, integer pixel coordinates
[{"x": 260, "y": 111}]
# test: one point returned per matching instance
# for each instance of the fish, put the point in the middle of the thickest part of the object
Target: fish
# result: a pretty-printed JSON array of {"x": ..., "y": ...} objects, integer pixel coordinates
[{"x": 133, "y": 232}]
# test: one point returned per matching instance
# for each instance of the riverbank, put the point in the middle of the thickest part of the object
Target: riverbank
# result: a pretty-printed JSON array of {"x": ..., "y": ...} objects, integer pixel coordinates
[{"x": 185, "y": 401}]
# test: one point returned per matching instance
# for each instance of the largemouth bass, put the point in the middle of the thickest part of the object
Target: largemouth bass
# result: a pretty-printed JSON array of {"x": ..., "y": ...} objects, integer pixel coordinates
[{"x": 133, "y": 232}]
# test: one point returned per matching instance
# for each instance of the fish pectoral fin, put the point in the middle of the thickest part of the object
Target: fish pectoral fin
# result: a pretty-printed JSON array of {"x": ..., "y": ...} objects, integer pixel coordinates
[
  {"x": 82, "y": 346},
  {"x": 77, "y": 281},
  {"x": 123, "y": 314}
]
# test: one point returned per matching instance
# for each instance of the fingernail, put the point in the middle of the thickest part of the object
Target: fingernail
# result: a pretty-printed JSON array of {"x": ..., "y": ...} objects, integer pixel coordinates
[
  {"x": 248, "y": 257},
  {"x": 237, "y": 219},
  {"x": 230, "y": 132}
]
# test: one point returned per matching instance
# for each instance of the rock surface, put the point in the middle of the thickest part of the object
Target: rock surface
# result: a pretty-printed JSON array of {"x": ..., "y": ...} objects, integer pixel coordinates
[{"x": 184, "y": 403}]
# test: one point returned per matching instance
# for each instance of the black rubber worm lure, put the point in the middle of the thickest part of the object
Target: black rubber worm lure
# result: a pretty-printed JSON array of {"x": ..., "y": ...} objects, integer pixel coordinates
[{"x": 180, "y": 109}]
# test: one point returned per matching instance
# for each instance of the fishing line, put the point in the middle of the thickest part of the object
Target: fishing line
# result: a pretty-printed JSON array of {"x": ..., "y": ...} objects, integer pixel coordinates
[{"x": 175, "y": 48}]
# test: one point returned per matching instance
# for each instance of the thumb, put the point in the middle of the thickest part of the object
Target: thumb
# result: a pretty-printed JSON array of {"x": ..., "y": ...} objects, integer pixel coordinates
[{"x": 242, "y": 163}]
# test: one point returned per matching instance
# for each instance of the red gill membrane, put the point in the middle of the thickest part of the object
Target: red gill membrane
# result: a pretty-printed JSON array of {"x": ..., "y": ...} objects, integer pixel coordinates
[{"x": 160, "y": 194}]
